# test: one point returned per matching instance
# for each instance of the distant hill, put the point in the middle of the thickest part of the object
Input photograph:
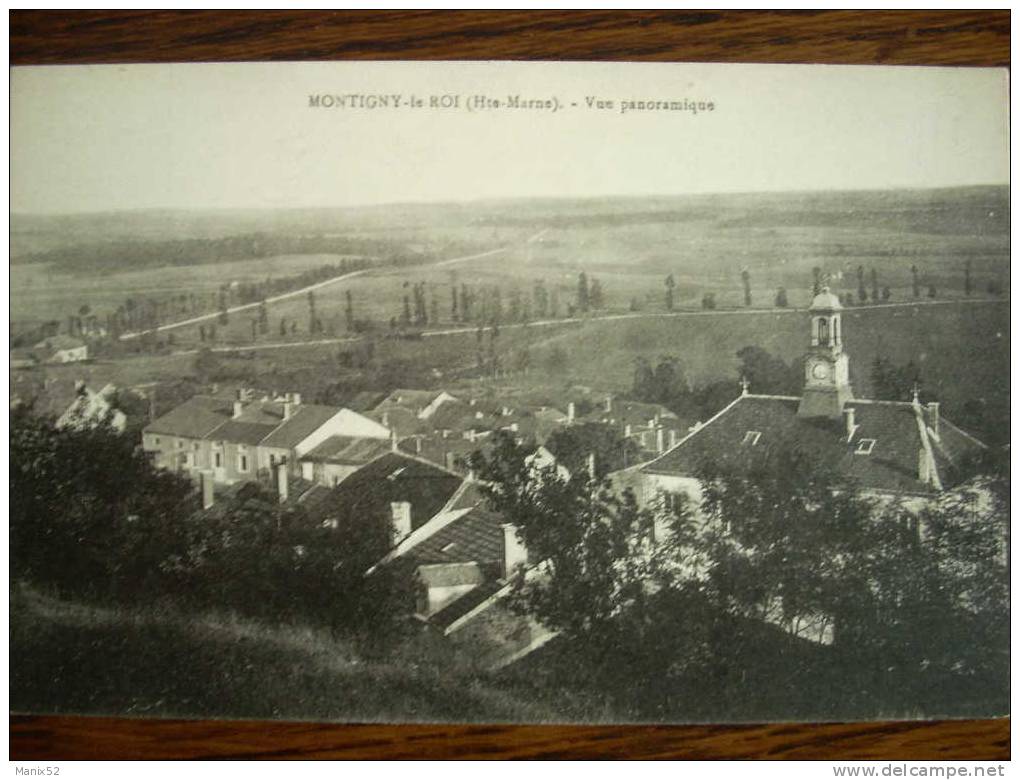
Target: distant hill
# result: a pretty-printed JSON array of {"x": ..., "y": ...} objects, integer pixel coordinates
[{"x": 953, "y": 210}]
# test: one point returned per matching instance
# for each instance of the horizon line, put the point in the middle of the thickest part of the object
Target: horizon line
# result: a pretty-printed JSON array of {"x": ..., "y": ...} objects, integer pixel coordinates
[{"x": 506, "y": 199}]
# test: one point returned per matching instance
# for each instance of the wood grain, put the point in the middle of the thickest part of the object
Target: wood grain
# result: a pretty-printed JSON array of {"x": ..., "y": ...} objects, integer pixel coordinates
[
  {"x": 973, "y": 38},
  {"x": 900, "y": 37}
]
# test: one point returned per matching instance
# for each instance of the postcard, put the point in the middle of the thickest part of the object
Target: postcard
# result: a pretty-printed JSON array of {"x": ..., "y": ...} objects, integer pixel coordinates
[{"x": 509, "y": 392}]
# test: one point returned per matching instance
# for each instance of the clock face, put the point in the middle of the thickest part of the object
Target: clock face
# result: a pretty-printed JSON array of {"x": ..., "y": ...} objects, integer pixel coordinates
[{"x": 820, "y": 371}]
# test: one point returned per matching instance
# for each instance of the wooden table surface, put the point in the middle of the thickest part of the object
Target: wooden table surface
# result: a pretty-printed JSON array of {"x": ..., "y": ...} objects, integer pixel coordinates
[{"x": 975, "y": 38}]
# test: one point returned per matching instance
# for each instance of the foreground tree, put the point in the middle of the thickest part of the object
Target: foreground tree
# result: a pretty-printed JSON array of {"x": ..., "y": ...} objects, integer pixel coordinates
[
  {"x": 89, "y": 515},
  {"x": 585, "y": 539}
]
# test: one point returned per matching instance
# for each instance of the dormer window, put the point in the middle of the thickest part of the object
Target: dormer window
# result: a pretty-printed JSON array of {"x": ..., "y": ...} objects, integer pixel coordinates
[
  {"x": 751, "y": 438},
  {"x": 865, "y": 446}
]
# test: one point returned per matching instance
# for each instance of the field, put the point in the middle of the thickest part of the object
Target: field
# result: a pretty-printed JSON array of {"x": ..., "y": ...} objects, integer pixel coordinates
[{"x": 629, "y": 245}]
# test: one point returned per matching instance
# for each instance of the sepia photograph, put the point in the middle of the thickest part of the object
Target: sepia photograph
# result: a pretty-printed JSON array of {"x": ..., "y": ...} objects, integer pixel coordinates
[{"x": 510, "y": 392}]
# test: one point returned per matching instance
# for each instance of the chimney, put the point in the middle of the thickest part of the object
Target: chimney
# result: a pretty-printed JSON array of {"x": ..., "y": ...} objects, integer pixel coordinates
[
  {"x": 609, "y": 403},
  {"x": 282, "y": 477},
  {"x": 287, "y": 410},
  {"x": 673, "y": 437},
  {"x": 401, "y": 511},
  {"x": 627, "y": 430},
  {"x": 296, "y": 399},
  {"x": 933, "y": 416},
  {"x": 417, "y": 445},
  {"x": 660, "y": 440},
  {"x": 238, "y": 408},
  {"x": 851, "y": 427},
  {"x": 386, "y": 419},
  {"x": 79, "y": 385},
  {"x": 450, "y": 460},
  {"x": 394, "y": 445},
  {"x": 591, "y": 465},
  {"x": 208, "y": 497},
  {"x": 924, "y": 471},
  {"x": 240, "y": 394},
  {"x": 515, "y": 554},
  {"x": 571, "y": 411}
]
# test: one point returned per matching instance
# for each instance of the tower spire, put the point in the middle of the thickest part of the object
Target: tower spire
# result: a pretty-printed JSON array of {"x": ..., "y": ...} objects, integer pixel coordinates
[{"x": 826, "y": 365}]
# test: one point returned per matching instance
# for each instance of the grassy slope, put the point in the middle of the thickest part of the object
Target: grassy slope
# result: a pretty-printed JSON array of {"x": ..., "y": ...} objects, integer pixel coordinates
[{"x": 75, "y": 659}]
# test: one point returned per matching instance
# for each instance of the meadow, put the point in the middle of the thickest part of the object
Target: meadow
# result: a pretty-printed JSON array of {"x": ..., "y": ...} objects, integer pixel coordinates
[{"x": 84, "y": 659}]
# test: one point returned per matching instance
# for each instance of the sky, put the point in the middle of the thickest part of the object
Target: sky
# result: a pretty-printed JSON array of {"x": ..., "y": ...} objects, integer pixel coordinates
[{"x": 104, "y": 138}]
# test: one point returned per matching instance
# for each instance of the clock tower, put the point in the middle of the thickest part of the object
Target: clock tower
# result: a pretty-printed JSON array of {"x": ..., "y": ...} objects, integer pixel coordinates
[{"x": 826, "y": 366}]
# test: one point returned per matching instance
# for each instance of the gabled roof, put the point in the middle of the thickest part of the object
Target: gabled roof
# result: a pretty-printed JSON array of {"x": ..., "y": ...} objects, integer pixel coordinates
[
  {"x": 473, "y": 599},
  {"x": 753, "y": 425},
  {"x": 237, "y": 432},
  {"x": 348, "y": 450},
  {"x": 305, "y": 419},
  {"x": 365, "y": 400},
  {"x": 391, "y": 478},
  {"x": 634, "y": 413},
  {"x": 474, "y": 537},
  {"x": 194, "y": 418},
  {"x": 403, "y": 422},
  {"x": 409, "y": 399}
]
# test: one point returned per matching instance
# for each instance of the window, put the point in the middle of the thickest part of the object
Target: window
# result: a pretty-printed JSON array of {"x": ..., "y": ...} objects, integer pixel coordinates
[
  {"x": 242, "y": 462},
  {"x": 218, "y": 459},
  {"x": 671, "y": 502},
  {"x": 865, "y": 446},
  {"x": 196, "y": 446},
  {"x": 272, "y": 460},
  {"x": 751, "y": 438},
  {"x": 156, "y": 440}
]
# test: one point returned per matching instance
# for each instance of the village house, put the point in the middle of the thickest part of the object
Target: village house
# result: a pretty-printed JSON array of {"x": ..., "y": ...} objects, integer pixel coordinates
[
  {"x": 652, "y": 427},
  {"x": 60, "y": 349},
  {"x": 464, "y": 558},
  {"x": 90, "y": 408},
  {"x": 242, "y": 439},
  {"x": 423, "y": 403},
  {"x": 395, "y": 488},
  {"x": 331, "y": 462}
]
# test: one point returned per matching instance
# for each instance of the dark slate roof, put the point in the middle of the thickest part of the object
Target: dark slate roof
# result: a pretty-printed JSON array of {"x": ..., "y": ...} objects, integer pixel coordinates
[
  {"x": 475, "y": 537},
  {"x": 892, "y": 464},
  {"x": 304, "y": 420},
  {"x": 348, "y": 450},
  {"x": 447, "y": 616},
  {"x": 365, "y": 400},
  {"x": 414, "y": 399},
  {"x": 472, "y": 599},
  {"x": 237, "y": 432},
  {"x": 402, "y": 421},
  {"x": 435, "y": 449},
  {"x": 469, "y": 495},
  {"x": 393, "y": 477},
  {"x": 193, "y": 419},
  {"x": 634, "y": 413}
]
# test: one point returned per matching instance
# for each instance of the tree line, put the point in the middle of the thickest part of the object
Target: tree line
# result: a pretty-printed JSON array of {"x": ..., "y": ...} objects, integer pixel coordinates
[{"x": 703, "y": 606}]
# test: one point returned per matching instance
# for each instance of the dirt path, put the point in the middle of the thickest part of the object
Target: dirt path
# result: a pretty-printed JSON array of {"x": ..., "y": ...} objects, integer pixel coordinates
[{"x": 298, "y": 293}]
